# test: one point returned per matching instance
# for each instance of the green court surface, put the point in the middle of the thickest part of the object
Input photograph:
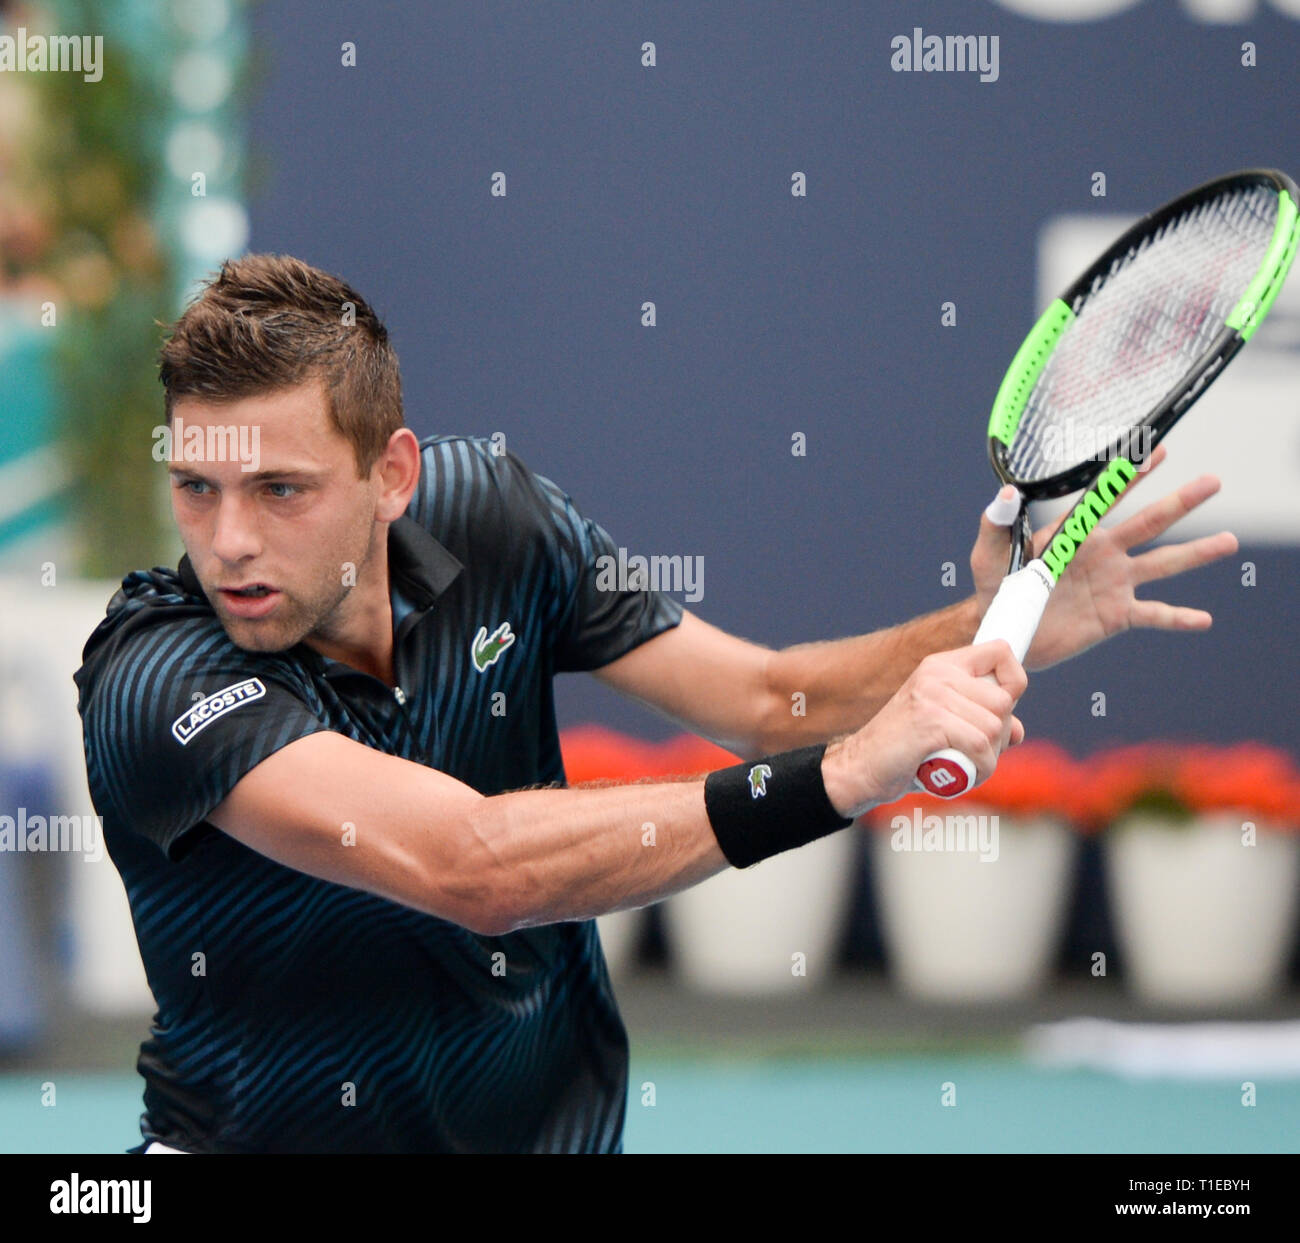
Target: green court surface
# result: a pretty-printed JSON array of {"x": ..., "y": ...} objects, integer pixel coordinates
[
  {"x": 823, "y": 1106},
  {"x": 896, "y": 1105}
]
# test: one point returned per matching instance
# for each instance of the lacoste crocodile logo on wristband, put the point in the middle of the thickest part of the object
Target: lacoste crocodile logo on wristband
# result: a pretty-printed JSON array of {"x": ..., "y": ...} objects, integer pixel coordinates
[
  {"x": 758, "y": 776},
  {"x": 487, "y": 651}
]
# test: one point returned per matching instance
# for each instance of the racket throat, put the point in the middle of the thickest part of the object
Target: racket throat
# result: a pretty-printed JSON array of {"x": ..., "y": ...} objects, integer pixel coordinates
[{"x": 1022, "y": 538}]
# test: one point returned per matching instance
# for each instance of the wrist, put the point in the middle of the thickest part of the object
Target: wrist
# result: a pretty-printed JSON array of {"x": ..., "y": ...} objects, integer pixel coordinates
[
  {"x": 837, "y": 778},
  {"x": 847, "y": 776},
  {"x": 761, "y": 808}
]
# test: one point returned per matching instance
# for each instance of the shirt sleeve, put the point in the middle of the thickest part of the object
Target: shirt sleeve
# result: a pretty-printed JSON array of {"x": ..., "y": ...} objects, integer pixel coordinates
[
  {"x": 176, "y": 716},
  {"x": 598, "y": 615}
]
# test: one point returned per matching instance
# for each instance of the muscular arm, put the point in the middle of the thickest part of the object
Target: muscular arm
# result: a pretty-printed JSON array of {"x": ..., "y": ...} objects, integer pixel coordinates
[
  {"x": 742, "y": 695},
  {"x": 491, "y": 864},
  {"x": 346, "y": 813},
  {"x": 845, "y": 682}
]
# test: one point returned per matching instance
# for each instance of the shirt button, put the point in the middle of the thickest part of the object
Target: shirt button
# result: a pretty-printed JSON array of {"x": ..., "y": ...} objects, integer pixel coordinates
[{"x": 399, "y": 694}]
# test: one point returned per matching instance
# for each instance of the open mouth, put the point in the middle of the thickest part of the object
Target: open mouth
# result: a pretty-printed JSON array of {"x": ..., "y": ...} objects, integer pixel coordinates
[{"x": 254, "y": 601}]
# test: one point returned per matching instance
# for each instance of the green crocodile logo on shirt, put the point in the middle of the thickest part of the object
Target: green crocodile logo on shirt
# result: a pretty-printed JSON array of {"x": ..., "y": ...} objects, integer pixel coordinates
[{"x": 487, "y": 651}]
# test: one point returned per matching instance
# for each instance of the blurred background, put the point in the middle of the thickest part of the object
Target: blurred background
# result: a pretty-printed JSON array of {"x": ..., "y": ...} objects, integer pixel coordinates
[{"x": 657, "y": 246}]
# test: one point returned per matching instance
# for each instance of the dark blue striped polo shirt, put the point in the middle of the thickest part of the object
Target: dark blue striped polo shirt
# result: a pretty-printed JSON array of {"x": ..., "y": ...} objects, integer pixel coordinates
[{"x": 299, "y": 1015}]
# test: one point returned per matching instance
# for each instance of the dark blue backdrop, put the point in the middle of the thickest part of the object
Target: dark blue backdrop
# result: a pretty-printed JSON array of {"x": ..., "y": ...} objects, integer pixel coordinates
[{"x": 776, "y": 314}]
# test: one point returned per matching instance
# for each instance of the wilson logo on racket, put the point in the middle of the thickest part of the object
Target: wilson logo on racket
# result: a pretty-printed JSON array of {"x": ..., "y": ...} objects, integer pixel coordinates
[
  {"x": 758, "y": 776},
  {"x": 1087, "y": 513},
  {"x": 487, "y": 651}
]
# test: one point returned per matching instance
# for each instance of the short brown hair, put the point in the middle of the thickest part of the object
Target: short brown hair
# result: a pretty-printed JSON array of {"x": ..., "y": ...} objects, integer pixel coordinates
[{"x": 267, "y": 322}]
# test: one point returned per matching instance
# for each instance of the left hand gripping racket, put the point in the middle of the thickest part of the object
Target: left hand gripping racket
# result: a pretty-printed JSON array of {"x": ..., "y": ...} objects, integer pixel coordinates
[{"x": 1110, "y": 367}]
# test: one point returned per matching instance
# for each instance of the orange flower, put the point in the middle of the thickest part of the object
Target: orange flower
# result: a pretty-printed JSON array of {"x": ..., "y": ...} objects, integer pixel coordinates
[
  {"x": 691, "y": 754},
  {"x": 1037, "y": 778},
  {"x": 1181, "y": 780},
  {"x": 1251, "y": 778},
  {"x": 1115, "y": 781},
  {"x": 593, "y": 753}
]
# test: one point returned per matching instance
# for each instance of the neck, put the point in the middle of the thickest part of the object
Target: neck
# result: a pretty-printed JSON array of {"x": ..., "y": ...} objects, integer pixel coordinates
[{"x": 361, "y": 634}]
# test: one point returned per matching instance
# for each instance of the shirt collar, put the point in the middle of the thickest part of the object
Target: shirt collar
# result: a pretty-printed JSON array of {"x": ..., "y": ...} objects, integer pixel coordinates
[{"x": 424, "y": 568}]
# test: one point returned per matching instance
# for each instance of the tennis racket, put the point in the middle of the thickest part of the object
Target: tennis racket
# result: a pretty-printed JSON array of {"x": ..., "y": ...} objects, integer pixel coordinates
[{"x": 1110, "y": 367}]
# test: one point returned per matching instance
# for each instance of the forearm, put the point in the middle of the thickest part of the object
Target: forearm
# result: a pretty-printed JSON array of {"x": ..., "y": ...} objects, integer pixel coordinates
[
  {"x": 577, "y": 853},
  {"x": 573, "y": 854},
  {"x": 333, "y": 808},
  {"x": 819, "y": 691}
]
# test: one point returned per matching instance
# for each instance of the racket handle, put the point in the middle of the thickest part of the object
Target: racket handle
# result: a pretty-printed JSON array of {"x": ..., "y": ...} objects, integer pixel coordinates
[{"x": 1013, "y": 615}]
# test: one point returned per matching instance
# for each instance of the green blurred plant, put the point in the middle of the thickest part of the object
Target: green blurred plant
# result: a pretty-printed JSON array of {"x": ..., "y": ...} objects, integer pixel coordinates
[{"x": 97, "y": 167}]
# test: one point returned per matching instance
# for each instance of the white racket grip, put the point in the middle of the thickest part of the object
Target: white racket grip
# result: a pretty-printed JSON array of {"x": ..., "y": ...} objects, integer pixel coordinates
[
  {"x": 1017, "y": 608},
  {"x": 1013, "y": 615}
]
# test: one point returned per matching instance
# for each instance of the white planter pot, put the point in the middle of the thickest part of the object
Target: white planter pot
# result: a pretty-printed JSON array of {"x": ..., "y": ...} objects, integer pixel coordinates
[
  {"x": 1201, "y": 918},
  {"x": 741, "y": 932},
  {"x": 619, "y": 935},
  {"x": 960, "y": 925}
]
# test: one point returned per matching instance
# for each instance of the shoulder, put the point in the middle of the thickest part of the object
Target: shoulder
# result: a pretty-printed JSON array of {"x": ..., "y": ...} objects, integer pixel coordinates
[
  {"x": 474, "y": 490},
  {"x": 174, "y": 713},
  {"x": 158, "y": 653},
  {"x": 458, "y": 471},
  {"x": 470, "y": 469}
]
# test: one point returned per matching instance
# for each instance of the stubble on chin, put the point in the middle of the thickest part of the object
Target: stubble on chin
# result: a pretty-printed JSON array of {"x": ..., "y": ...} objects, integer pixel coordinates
[
  {"x": 293, "y": 620},
  {"x": 275, "y": 633}
]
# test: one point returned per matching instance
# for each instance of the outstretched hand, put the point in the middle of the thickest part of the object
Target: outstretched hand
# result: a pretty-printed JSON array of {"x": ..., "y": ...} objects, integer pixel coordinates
[{"x": 1095, "y": 597}]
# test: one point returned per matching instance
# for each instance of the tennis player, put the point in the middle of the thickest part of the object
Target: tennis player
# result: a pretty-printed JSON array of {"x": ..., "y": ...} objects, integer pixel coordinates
[{"x": 325, "y": 751}]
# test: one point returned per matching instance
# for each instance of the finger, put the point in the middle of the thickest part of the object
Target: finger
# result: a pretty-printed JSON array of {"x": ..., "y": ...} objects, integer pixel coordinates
[
  {"x": 1043, "y": 536},
  {"x": 1158, "y": 455},
  {"x": 973, "y": 743},
  {"x": 1144, "y": 468},
  {"x": 990, "y": 695},
  {"x": 978, "y": 717},
  {"x": 1157, "y": 615},
  {"x": 1003, "y": 508},
  {"x": 1179, "y": 558},
  {"x": 1159, "y": 516},
  {"x": 995, "y": 527},
  {"x": 1013, "y": 734},
  {"x": 1017, "y": 731},
  {"x": 1155, "y": 459},
  {"x": 996, "y": 657}
]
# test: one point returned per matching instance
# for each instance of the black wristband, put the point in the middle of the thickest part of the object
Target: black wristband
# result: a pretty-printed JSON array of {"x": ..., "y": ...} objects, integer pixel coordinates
[{"x": 763, "y": 807}]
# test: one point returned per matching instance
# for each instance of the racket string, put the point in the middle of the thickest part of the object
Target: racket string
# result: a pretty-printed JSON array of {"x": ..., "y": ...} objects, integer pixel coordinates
[{"x": 1140, "y": 326}]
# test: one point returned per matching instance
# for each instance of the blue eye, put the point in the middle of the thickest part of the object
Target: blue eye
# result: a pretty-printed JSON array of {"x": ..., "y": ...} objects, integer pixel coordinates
[
  {"x": 189, "y": 484},
  {"x": 283, "y": 495}
]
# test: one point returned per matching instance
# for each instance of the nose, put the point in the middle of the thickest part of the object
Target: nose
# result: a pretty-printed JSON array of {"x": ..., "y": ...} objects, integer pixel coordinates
[{"x": 235, "y": 536}]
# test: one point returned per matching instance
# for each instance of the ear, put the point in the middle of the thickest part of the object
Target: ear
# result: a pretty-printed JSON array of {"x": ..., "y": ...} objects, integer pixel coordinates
[{"x": 398, "y": 472}]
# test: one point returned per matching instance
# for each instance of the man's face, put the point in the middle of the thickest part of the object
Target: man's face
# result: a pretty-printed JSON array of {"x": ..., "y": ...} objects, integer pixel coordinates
[{"x": 293, "y": 525}]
